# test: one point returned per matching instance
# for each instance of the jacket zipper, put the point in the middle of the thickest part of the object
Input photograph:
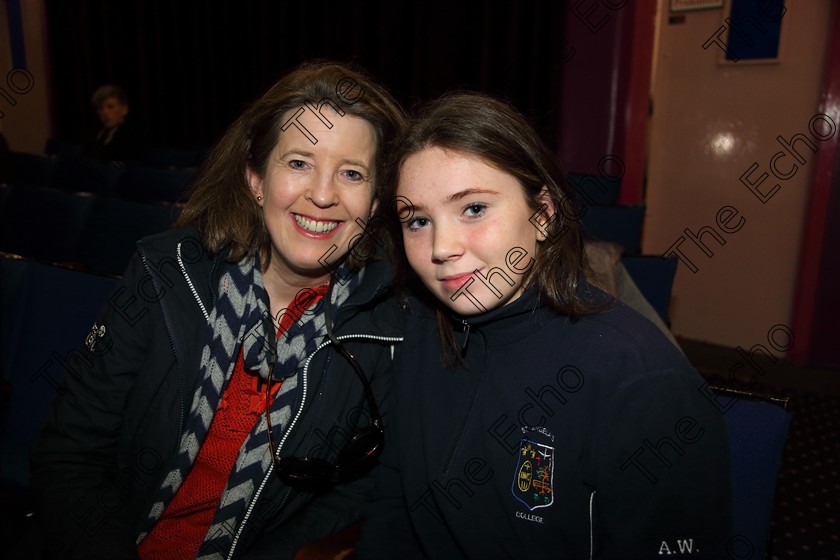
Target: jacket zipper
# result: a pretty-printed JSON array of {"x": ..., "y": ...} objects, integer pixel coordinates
[
  {"x": 190, "y": 284},
  {"x": 288, "y": 431},
  {"x": 206, "y": 317},
  {"x": 471, "y": 406},
  {"x": 591, "y": 524},
  {"x": 466, "y": 328}
]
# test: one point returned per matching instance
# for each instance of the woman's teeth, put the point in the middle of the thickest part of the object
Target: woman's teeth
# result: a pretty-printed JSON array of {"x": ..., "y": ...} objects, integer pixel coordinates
[{"x": 315, "y": 226}]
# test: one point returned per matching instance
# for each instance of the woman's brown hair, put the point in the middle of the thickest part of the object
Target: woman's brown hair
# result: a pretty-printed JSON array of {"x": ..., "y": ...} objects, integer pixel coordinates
[
  {"x": 479, "y": 125},
  {"x": 221, "y": 205}
]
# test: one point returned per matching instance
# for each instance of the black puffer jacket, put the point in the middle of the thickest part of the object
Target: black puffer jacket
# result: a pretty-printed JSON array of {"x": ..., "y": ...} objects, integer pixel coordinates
[{"x": 115, "y": 427}]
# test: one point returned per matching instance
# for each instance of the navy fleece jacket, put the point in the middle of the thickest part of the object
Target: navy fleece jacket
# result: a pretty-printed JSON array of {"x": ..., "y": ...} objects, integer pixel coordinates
[{"x": 590, "y": 438}]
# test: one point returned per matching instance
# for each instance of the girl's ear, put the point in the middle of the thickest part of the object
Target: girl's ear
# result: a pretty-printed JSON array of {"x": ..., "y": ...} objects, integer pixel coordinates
[
  {"x": 255, "y": 182},
  {"x": 547, "y": 210}
]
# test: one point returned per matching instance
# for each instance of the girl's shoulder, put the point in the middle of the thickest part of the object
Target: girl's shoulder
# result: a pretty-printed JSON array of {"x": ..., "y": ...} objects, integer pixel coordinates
[{"x": 621, "y": 336}]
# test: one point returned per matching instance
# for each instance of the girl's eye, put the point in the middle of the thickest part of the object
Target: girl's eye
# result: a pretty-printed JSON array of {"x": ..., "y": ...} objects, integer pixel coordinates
[
  {"x": 475, "y": 209},
  {"x": 417, "y": 223}
]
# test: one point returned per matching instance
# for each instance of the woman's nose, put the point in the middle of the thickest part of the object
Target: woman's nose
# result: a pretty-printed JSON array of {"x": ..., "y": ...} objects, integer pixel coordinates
[{"x": 322, "y": 191}]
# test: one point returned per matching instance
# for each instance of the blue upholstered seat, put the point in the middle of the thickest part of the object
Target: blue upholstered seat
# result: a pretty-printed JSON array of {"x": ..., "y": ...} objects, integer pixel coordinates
[
  {"x": 47, "y": 312},
  {"x": 757, "y": 426},
  {"x": 622, "y": 224}
]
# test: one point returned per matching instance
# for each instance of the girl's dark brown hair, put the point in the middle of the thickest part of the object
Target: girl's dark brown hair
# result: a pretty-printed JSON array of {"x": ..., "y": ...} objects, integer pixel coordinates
[
  {"x": 479, "y": 125},
  {"x": 221, "y": 205}
]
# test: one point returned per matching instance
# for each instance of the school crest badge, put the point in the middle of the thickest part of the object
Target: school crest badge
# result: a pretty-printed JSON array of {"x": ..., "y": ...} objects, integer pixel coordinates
[{"x": 533, "y": 481}]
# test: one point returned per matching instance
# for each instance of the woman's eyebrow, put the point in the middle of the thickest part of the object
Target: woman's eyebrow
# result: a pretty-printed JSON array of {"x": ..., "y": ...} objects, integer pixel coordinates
[
  {"x": 296, "y": 152},
  {"x": 355, "y": 162},
  {"x": 306, "y": 153}
]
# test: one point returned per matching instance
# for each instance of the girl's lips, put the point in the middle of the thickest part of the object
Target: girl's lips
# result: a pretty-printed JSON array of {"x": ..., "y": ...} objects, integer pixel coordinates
[{"x": 455, "y": 281}]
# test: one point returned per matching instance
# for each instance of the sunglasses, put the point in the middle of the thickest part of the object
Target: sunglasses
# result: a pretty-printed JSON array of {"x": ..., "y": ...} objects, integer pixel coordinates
[{"x": 354, "y": 459}]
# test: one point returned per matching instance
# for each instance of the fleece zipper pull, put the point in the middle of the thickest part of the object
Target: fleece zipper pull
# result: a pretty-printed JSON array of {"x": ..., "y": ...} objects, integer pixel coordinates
[{"x": 466, "y": 329}]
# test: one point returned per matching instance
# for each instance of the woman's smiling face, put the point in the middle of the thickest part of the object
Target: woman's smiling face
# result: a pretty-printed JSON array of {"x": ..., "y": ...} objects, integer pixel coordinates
[
  {"x": 312, "y": 194},
  {"x": 470, "y": 238}
]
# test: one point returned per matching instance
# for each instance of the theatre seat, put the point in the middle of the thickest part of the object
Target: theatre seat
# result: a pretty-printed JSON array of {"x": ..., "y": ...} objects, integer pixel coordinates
[
  {"x": 30, "y": 170},
  {"x": 113, "y": 227},
  {"x": 44, "y": 224},
  {"x": 654, "y": 276},
  {"x": 72, "y": 175},
  {"x": 149, "y": 184},
  {"x": 595, "y": 190},
  {"x": 47, "y": 312},
  {"x": 63, "y": 149},
  {"x": 171, "y": 158},
  {"x": 757, "y": 426},
  {"x": 95, "y": 233},
  {"x": 622, "y": 224}
]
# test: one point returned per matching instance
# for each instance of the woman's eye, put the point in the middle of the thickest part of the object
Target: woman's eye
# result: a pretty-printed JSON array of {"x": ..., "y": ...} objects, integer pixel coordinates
[
  {"x": 417, "y": 223},
  {"x": 474, "y": 210},
  {"x": 297, "y": 164},
  {"x": 354, "y": 175}
]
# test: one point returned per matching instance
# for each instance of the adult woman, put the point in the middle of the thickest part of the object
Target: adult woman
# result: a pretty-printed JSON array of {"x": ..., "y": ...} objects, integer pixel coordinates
[
  {"x": 543, "y": 419},
  {"x": 160, "y": 446}
]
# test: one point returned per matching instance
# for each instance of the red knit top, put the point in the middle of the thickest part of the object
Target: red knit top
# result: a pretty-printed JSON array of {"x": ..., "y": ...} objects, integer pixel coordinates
[{"x": 184, "y": 523}]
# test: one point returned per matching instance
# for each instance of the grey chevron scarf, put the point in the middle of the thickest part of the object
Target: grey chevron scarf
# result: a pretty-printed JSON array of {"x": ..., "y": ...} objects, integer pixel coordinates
[{"x": 242, "y": 319}]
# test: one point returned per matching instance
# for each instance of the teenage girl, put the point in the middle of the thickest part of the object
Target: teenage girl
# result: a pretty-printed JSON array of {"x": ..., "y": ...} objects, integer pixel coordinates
[{"x": 536, "y": 416}]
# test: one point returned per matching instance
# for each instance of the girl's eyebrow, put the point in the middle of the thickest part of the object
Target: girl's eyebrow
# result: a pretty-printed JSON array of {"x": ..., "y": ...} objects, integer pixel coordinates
[
  {"x": 455, "y": 197},
  {"x": 466, "y": 192}
]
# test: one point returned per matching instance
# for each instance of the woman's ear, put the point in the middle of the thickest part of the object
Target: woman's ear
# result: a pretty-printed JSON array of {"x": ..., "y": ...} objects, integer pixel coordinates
[
  {"x": 546, "y": 212},
  {"x": 255, "y": 183}
]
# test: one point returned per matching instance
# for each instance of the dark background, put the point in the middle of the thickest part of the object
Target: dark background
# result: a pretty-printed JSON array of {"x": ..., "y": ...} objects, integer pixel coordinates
[{"x": 191, "y": 67}]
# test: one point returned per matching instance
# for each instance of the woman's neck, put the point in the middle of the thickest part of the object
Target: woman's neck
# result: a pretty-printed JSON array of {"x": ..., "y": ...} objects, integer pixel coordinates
[{"x": 283, "y": 286}]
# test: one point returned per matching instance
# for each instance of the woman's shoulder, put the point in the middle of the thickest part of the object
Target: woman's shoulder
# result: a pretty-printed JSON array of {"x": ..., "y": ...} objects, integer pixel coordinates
[
  {"x": 177, "y": 249},
  {"x": 169, "y": 241}
]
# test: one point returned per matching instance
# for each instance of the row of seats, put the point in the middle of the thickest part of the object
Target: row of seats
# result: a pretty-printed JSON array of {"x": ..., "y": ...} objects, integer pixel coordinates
[
  {"x": 59, "y": 224},
  {"x": 622, "y": 224},
  {"x": 91, "y": 232},
  {"x": 130, "y": 181},
  {"x": 47, "y": 312},
  {"x": 602, "y": 218},
  {"x": 149, "y": 156}
]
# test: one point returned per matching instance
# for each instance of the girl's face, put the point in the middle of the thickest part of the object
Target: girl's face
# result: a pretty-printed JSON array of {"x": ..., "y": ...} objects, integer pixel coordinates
[{"x": 470, "y": 237}]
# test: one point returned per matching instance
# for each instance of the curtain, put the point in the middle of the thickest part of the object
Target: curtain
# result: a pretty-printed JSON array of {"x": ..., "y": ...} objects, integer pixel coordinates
[{"x": 190, "y": 67}]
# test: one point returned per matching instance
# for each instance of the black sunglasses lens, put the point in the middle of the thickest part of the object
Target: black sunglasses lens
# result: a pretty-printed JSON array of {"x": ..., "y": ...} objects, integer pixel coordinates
[
  {"x": 360, "y": 453},
  {"x": 355, "y": 459}
]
